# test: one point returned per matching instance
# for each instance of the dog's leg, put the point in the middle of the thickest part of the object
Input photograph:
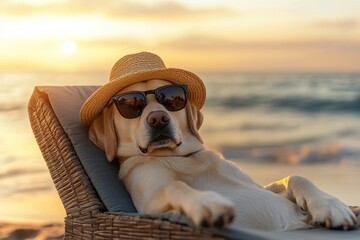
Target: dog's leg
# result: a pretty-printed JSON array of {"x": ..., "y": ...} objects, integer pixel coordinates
[
  {"x": 155, "y": 188},
  {"x": 205, "y": 208},
  {"x": 324, "y": 209}
]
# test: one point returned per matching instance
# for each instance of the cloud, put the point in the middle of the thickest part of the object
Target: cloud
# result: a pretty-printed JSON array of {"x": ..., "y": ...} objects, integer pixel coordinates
[
  {"x": 115, "y": 9},
  {"x": 114, "y": 42},
  {"x": 215, "y": 43},
  {"x": 344, "y": 24}
]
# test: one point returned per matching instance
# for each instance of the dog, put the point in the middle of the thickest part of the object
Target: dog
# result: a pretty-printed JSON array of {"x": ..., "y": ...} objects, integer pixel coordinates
[{"x": 165, "y": 167}]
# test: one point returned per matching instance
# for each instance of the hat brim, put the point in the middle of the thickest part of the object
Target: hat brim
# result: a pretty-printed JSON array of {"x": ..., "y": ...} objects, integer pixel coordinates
[{"x": 94, "y": 105}]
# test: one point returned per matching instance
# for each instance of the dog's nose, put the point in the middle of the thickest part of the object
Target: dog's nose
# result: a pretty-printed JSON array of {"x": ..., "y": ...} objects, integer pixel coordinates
[{"x": 158, "y": 119}]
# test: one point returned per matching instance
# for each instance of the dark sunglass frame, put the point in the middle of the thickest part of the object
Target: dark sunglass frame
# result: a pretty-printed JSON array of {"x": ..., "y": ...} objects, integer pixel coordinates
[{"x": 143, "y": 94}]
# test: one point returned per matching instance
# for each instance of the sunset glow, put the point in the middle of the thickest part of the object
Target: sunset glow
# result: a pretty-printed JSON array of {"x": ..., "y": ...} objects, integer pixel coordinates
[
  {"x": 282, "y": 84},
  {"x": 68, "y": 47},
  {"x": 204, "y": 36}
]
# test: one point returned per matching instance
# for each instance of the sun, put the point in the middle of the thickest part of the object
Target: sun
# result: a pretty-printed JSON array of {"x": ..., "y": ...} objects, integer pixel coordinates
[{"x": 68, "y": 47}]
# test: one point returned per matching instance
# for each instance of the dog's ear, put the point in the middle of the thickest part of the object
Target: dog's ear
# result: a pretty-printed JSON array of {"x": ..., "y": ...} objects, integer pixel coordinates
[
  {"x": 195, "y": 119},
  {"x": 102, "y": 133}
]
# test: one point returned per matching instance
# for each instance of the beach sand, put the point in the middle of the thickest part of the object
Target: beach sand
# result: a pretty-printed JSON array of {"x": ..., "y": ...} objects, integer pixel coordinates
[
  {"x": 19, "y": 231},
  {"x": 340, "y": 180}
]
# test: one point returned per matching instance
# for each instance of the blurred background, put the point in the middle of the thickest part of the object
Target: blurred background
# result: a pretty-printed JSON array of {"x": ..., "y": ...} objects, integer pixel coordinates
[{"x": 282, "y": 78}]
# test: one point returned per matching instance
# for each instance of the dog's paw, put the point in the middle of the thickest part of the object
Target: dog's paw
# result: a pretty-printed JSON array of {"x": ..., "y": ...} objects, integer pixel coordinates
[
  {"x": 212, "y": 210},
  {"x": 330, "y": 212},
  {"x": 356, "y": 211}
]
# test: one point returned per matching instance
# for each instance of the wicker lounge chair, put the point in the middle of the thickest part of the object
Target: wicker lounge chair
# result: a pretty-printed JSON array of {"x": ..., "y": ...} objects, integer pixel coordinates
[
  {"x": 87, "y": 217},
  {"x": 90, "y": 214}
]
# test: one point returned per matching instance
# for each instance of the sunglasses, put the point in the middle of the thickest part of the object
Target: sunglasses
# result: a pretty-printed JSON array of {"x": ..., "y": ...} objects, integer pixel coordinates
[{"x": 131, "y": 104}]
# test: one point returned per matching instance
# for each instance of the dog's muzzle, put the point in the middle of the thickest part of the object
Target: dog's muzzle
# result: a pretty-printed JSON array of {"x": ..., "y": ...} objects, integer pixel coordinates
[{"x": 161, "y": 133}]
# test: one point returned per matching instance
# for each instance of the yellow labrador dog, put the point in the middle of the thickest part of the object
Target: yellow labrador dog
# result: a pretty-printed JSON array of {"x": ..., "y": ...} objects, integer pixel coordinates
[{"x": 166, "y": 168}]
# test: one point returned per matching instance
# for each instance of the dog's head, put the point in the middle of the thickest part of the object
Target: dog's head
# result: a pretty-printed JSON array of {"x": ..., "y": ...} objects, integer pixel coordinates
[{"x": 156, "y": 132}]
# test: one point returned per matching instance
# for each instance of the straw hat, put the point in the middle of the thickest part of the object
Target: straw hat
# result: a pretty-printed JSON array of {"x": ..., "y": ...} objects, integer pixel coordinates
[{"x": 135, "y": 68}]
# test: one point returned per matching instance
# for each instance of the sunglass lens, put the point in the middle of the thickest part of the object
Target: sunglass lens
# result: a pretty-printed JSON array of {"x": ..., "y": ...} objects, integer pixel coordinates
[
  {"x": 131, "y": 105},
  {"x": 173, "y": 98}
]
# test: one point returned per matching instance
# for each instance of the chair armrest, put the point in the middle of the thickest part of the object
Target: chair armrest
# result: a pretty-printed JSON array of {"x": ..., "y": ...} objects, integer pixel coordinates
[{"x": 72, "y": 183}]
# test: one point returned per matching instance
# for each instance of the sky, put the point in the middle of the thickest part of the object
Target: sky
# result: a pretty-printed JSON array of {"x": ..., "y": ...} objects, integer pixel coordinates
[{"x": 212, "y": 35}]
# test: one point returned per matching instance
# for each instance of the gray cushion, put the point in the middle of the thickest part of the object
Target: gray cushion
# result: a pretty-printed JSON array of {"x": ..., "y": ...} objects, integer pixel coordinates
[{"x": 66, "y": 103}]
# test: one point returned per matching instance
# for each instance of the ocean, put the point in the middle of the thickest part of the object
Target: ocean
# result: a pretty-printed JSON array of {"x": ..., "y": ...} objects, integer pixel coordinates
[
  {"x": 271, "y": 118},
  {"x": 291, "y": 118}
]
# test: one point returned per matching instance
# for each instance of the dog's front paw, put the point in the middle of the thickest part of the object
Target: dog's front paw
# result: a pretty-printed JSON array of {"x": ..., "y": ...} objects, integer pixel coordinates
[
  {"x": 356, "y": 211},
  {"x": 210, "y": 209},
  {"x": 329, "y": 211}
]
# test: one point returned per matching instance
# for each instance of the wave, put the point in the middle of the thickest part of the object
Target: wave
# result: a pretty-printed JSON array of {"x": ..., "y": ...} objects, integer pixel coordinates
[
  {"x": 250, "y": 126},
  {"x": 300, "y": 154},
  {"x": 10, "y": 108},
  {"x": 20, "y": 172},
  {"x": 293, "y": 103}
]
